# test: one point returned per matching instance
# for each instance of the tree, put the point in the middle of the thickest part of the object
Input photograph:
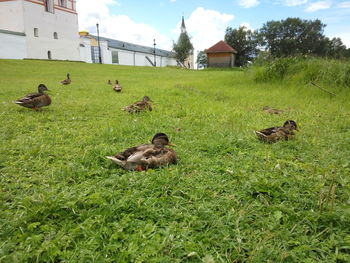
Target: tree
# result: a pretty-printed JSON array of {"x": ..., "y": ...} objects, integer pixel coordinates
[
  {"x": 293, "y": 36},
  {"x": 244, "y": 41},
  {"x": 183, "y": 48},
  {"x": 202, "y": 59},
  {"x": 336, "y": 48}
]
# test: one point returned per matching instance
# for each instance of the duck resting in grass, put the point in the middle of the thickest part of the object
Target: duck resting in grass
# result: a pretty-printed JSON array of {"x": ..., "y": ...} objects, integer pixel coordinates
[
  {"x": 271, "y": 110},
  {"x": 35, "y": 100},
  {"x": 146, "y": 156},
  {"x": 117, "y": 87},
  {"x": 67, "y": 80},
  {"x": 275, "y": 134},
  {"x": 138, "y": 106}
]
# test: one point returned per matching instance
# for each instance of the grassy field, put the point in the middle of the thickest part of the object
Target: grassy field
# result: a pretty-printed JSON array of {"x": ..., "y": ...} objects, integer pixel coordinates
[{"x": 230, "y": 198}]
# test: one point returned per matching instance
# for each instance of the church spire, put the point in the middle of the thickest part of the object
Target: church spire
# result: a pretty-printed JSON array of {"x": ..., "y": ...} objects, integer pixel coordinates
[{"x": 183, "y": 27}]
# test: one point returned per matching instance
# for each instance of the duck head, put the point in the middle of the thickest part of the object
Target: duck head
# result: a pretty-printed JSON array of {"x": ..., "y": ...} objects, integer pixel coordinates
[
  {"x": 42, "y": 88},
  {"x": 291, "y": 125},
  {"x": 146, "y": 99},
  {"x": 116, "y": 82},
  {"x": 161, "y": 139},
  {"x": 68, "y": 75}
]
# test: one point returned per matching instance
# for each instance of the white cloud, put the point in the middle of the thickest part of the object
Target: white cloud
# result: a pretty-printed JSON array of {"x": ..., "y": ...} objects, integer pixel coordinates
[
  {"x": 344, "y": 5},
  {"x": 248, "y": 3},
  {"x": 294, "y": 2},
  {"x": 320, "y": 5},
  {"x": 119, "y": 27},
  {"x": 206, "y": 27}
]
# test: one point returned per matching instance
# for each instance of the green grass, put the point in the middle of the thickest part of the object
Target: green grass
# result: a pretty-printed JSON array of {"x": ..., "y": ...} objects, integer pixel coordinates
[{"x": 230, "y": 198}]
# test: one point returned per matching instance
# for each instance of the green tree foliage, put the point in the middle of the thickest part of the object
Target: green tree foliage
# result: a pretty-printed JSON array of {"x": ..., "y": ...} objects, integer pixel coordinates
[
  {"x": 293, "y": 36},
  {"x": 183, "y": 48},
  {"x": 202, "y": 59},
  {"x": 336, "y": 48},
  {"x": 244, "y": 41}
]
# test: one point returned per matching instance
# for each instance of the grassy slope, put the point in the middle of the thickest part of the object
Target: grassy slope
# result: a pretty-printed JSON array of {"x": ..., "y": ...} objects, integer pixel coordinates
[{"x": 229, "y": 199}]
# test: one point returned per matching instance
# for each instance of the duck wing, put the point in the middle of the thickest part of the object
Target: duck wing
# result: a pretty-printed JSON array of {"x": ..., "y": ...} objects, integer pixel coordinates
[
  {"x": 34, "y": 100},
  {"x": 158, "y": 156},
  {"x": 270, "y": 131},
  {"x": 130, "y": 151},
  {"x": 66, "y": 81},
  {"x": 137, "y": 107}
]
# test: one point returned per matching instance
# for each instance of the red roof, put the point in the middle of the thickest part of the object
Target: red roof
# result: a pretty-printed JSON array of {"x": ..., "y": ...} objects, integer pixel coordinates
[{"x": 221, "y": 47}]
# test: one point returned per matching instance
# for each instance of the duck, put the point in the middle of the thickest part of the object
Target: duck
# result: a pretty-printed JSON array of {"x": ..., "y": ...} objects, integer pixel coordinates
[
  {"x": 109, "y": 82},
  {"x": 275, "y": 134},
  {"x": 270, "y": 110},
  {"x": 117, "y": 87},
  {"x": 145, "y": 156},
  {"x": 67, "y": 80},
  {"x": 35, "y": 100},
  {"x": 138, "y": 106}
]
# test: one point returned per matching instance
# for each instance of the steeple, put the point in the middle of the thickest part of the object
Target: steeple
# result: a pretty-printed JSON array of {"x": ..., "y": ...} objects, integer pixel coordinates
[{"x": 183, "y": 27}]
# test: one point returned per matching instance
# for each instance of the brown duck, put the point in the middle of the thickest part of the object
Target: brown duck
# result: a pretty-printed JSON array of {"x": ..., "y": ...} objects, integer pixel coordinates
[
  {"x": 275, "y": 134},
  {"x": 138, "y": 106},
  {"x": 117, "y": 87},
  {"x": 271, "y": 110},
  {"x": 67, "y": 80},
  {"x": 35, "y": 100},
  {"x": 146, "y": 156}
]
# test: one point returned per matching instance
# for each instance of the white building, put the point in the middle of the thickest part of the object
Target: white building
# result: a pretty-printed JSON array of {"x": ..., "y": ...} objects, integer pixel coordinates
[
  {"x": 40, "y": 29},
  {"x": 48, "y": 29},
  {"x": 122, "y": 53}
]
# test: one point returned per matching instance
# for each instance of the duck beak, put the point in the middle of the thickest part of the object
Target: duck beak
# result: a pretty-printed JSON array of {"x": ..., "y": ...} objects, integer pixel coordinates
[{"x": 171, "y": 144}]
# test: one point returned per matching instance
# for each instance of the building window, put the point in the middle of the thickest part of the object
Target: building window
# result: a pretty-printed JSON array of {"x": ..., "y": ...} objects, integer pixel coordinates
[
  {"x": 73, "y": 4},
  {"x": 63, "y": 3},
  {"x": 55, "y": 36},
  {"x": 49, "y": 6},
  {"x": 49, "y": 54},
  {"x": 94, "y": 54},
  {"x": 36, "y": 32},
  {"x": 115, "y": 57}
]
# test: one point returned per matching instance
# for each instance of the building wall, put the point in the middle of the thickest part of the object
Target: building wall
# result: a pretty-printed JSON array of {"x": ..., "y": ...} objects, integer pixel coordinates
[
  {"x": 64, "y": 23},
  {"x": 220, "y": 60},
  {"x": 11, "y": 16},
  {"x": 132, "y": 58},
  {"x": 85, "y": 50},
  {"x": 12, "y": 46}
]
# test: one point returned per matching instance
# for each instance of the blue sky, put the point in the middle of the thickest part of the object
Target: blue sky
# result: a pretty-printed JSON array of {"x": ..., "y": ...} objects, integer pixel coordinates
[{"x": 141, "y": 21}]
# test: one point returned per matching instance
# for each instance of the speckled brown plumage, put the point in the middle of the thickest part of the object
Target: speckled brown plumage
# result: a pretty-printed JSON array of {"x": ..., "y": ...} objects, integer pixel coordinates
[
  {"x": 146, "y": 156},
  {"x": 138, "y": 106},
  {"x": 67, "y": 80},
  {"x": 117, "y": 87},
  {"x": 270, "y": 110},
  {"x": 35, "y": 100},
  {"x": 275, "y": 134}
]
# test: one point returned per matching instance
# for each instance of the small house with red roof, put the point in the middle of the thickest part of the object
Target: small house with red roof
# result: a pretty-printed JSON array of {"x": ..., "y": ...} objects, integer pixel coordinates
[{"x": 221, "y": 55}]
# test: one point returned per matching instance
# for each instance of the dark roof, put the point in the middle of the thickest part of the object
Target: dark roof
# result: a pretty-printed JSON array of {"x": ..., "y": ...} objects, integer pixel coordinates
[
  {"x": 221, "y": 47},
  {"x": 117, "y": 44}
]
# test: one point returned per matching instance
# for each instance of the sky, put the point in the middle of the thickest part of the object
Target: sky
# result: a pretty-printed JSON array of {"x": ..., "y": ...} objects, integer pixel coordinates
[{"x": 142, "y": 21}]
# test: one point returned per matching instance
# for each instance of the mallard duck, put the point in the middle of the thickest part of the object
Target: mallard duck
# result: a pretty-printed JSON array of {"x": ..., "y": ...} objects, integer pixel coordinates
[
  {"x": 35, "y": 100},
  {"x": 275, "y": 134},
  {"x": 67, "y": 80},
  {"x": 117, "y": 87},
  {"x": 146, "y": 156},
  {"x": 271, "y": 110},
  {"x": 144, "y": 104}
]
